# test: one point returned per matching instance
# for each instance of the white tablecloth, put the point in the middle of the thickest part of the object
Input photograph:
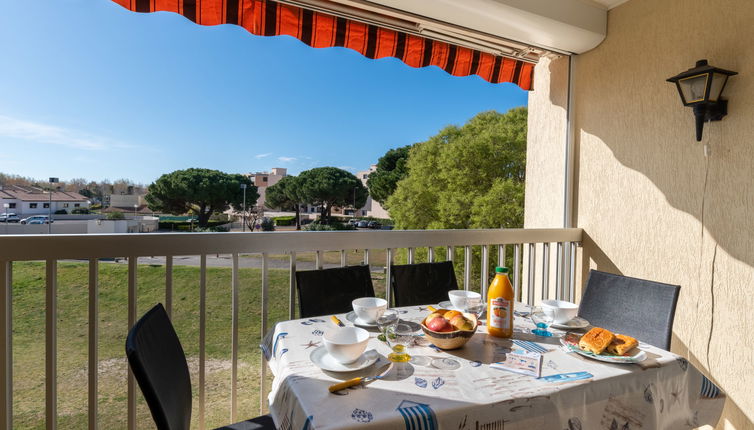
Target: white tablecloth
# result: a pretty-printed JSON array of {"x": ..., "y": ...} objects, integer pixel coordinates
[{"x": 663, "y": 392}]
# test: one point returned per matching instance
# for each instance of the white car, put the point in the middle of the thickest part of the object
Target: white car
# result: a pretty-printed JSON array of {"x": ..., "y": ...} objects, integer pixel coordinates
[
  {"x": 9, "y": 217},
  {"x": 36, "y": 219}
]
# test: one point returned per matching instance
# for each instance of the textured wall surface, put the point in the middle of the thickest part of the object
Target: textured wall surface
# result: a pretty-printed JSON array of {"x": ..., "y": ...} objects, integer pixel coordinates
[{"x": 651, "y": 204}]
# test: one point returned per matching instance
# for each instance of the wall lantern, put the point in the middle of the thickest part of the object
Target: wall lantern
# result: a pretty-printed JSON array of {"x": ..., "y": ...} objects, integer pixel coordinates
[{"x": 701, "y": 87}]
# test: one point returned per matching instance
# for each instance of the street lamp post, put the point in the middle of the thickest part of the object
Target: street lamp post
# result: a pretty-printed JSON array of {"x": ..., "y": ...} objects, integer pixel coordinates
[
  {"x": 243, "y": 187},
  {"x": 49, "y": 205},
  {"x": 135, "y": 207},
  {"x": 6, "y": 206}
]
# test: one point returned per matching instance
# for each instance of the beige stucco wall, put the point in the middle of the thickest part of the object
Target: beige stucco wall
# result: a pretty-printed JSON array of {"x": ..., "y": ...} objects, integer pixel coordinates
[{"x": 641, "y": 194}]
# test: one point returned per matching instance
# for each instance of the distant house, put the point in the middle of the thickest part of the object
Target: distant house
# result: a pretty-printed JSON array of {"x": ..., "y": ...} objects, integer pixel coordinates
[
  {"x": 127, "y": 203},
  {"x": 371, "y": 207},
  {"x": 27, "y": 200},
  {"x": 262, "y": 180}
]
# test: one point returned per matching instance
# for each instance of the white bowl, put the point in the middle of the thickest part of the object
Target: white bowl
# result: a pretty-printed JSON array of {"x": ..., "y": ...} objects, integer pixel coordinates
[
  {"x": 461, "y": 298},
  {"x": 345, "y": 344},
  {"x": 561, "y": 311},
  {"x": 368, "y": 309}
]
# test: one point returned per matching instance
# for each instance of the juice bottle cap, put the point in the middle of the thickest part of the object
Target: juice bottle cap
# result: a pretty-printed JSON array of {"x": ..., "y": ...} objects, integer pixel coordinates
[{"x": 501, "y": 269}]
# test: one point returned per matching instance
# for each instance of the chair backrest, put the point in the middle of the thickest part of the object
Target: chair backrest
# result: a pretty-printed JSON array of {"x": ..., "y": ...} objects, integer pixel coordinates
[
  {"x": 331, "y": 291},
  {"x": 159, "y": 365},
  {"x": 423, "y": 283},
  {"x": 636, "y": 307}
]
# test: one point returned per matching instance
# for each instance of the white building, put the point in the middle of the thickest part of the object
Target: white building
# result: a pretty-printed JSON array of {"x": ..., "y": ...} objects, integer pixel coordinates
[
  {"x": 26, "y": 201},
  {"x": 372, "y": 207}
]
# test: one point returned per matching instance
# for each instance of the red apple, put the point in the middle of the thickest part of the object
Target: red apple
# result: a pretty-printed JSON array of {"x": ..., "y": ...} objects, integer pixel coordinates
[{"x": 437, "y": 323}]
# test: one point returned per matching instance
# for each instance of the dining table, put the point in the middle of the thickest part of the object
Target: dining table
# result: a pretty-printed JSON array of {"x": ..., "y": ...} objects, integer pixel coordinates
[{"x": 570, "y": 392}]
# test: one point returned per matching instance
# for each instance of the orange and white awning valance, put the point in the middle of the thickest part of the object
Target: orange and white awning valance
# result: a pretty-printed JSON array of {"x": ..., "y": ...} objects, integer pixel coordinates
[{"x": 324, "y": 30}]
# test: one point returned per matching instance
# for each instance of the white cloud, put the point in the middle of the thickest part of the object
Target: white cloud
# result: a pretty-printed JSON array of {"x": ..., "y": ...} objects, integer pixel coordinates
[
  {"x": 258, "y": 156},
  {"x": 349, "y": 168},
  {"x": 287, "y": 159},
  {"x": 53, "y": 135}
]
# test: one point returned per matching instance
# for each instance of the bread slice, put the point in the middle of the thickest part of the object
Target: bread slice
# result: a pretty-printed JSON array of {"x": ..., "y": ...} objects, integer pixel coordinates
[
  {"x": 622, "y": 344},
  {"x": 596, "y": 340}
]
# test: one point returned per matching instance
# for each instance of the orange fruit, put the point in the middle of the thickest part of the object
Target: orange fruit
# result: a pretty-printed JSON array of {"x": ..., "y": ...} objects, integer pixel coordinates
[{"x": 450, "y": 314}]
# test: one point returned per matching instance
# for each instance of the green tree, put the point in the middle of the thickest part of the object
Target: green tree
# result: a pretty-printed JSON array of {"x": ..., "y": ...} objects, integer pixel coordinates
[
  {"x": 330, "y": 186},
  {"x": 391, "y": 168},
  {"x": 285, "y": 195},
  {"x": 199, "y": 191},
  {"x": 466, "y": 177}
]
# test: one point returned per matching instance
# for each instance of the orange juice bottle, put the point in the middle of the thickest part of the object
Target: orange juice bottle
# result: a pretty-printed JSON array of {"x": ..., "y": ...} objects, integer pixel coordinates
[{"x": 500, "y": 305}]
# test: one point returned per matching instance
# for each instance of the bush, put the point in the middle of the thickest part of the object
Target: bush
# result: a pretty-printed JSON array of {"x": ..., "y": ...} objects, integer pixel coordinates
[
  {"x": 80, "y": 211},
  {"x": 284, "y": 220},
  {"x": 267, "y": 224},
  {"x": 116, "y": 215},
  {"x": 61, "y": 212},
  {"x": 333, "y": 226}
]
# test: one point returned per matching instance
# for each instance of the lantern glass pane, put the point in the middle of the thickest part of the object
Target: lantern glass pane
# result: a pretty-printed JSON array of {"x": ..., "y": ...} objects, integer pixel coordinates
[
  {"x": 693, "y": 88},
  {"x": 718, "y": 82}
]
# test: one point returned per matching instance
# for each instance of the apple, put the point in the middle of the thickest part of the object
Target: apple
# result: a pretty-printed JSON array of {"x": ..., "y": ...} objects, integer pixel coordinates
[
  {"x": 437, "y": 323},
  {"x": 462, "y": 323}
]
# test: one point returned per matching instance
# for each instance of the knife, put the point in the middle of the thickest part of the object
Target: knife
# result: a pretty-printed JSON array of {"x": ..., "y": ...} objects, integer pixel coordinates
[{"x": 362, "y": 380}]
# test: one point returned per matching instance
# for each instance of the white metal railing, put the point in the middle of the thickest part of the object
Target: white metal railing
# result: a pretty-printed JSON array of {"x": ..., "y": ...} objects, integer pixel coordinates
[{"x": 526, "y": 244}]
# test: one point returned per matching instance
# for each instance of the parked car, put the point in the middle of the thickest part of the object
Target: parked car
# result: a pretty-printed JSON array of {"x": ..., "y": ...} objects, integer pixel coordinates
[
  {"x": 363, "y": 224},
  {"x": 353, "y": 222},
  {"x": 374, "y": 224},
  {"x": 43, "y": 219},
  {"x": 10, "y": 217}
]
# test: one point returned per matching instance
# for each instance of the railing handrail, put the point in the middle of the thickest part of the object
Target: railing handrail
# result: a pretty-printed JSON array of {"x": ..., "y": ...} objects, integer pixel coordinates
[{"x": 87, "y": 246}]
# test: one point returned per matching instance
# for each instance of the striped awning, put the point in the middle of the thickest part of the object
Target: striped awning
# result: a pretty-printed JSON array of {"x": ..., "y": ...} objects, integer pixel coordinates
[{"x": 322, "y": 30}]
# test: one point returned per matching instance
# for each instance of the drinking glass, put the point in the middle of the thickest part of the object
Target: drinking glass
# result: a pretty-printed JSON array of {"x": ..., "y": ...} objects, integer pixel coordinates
[
  {"x": 388, "y": 318},
  {"x": 474, "y": 306},
  {"x": 399, "y": 337},
  {"x": 541, "y": 320}
]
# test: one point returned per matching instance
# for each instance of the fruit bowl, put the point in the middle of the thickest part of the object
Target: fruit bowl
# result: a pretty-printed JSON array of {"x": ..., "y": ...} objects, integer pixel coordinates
[{"x": 453, "y": 339}]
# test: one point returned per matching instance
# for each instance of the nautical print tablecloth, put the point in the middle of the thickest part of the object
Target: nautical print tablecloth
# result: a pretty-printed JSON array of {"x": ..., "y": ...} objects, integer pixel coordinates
[{"x": 664, "y": 392}]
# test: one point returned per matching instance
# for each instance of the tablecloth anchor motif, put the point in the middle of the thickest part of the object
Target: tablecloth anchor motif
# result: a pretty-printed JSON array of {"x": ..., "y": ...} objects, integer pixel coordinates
[{"x": 417, "y": 416}]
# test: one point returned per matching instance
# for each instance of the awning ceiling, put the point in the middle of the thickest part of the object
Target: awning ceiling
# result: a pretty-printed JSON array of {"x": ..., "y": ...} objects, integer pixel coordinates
[{"x": 323, "y": 30}]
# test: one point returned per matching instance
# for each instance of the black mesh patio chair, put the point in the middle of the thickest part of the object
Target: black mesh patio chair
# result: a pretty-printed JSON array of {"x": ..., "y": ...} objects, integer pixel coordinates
[
  {"x": 331, "y": 291},
  {"x": 159, "y": 365},
  {"x": 636, "y": 307},
  {"x": 423, "y": 283}
]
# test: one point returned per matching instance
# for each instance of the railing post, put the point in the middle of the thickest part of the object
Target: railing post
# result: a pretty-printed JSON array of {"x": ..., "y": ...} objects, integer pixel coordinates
[
  {"x": 343, "y": 258},
  {"x": 318, "y": 259},
  {"x": 291, "y": 286},
  {"x": 234, "y": 339},
  {"x": 449, "y": 254},
  {"x": 388, "y": 275},
  {"x": 132, "y": 261},
  {"x": 430, "y": 254},
  {"x": 51, "y": 346},
  {"x": 410, "y": 256},
  {"x": 6, "y": 343},
  {"x": 517, "y": 271},
  {"x": 466, "y": 267},
  {"x": 265, "y": 288},
  {"x": 559, "y": 271},
  {"x": 169, "y": 285},
  {"x": 530, "y": 277},
  {"x": 202, "y": 337},
  {"x": 545, "y": 271},
  {"x": 572, "y": 272},
  {"x": 93, "y": 337},
  {"x": 366, "y": 257},
  {"x": 501, "y": 255},
  {"x": 485, "y": 271}
]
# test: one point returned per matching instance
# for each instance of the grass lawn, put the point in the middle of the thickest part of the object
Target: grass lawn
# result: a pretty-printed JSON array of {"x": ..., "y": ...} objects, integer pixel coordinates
[{"x": 28, "y": 339}]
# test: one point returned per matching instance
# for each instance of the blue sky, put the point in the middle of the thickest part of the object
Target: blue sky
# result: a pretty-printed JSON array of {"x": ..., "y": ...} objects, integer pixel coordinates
[{"x": 88, "y": 89}]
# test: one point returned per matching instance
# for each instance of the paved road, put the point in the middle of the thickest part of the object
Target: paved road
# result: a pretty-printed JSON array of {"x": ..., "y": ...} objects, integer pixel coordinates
[{"x": 251, "y": 261}]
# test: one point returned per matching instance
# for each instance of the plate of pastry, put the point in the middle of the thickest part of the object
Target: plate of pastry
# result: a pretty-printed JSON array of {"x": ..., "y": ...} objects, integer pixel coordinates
[{"x": 604, "y": 345}]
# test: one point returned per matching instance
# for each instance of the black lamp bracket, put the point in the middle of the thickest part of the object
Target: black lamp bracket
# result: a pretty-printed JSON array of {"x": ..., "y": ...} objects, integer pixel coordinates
[{"x": 710, "y": 111}]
